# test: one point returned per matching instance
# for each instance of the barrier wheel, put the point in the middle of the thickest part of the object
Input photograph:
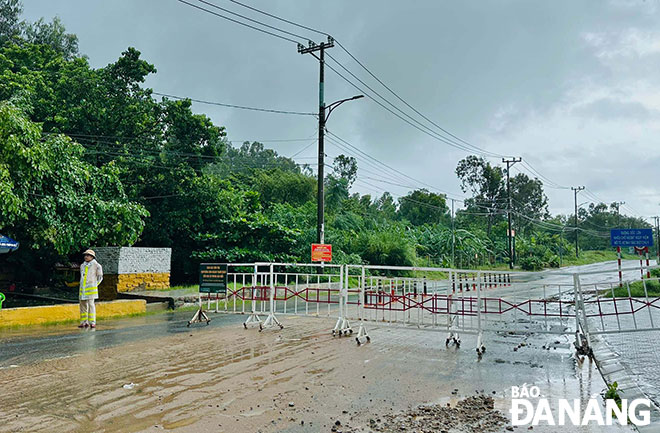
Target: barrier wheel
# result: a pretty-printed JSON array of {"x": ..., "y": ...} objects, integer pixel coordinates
[
  {"x": 447, "y": 343},
  {"x": 483, "y": 349},
  {"x": 207, "y": 322},
  {"x": 245, "y": 325},
  {"x": 281, "y": 326},
  {"x": 350, "y": 331},
  {"x": 358, "y": 341},
  {"x": 333, "y": 332},
  {"x": 368, "y": 339},
  {"x": 188, "y": 325}
]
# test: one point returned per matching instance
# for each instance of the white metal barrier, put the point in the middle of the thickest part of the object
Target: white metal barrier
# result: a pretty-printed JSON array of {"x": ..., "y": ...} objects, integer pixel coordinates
[
  {"x": 454, "y": 301},
  {"x": 614, "y": 307}
]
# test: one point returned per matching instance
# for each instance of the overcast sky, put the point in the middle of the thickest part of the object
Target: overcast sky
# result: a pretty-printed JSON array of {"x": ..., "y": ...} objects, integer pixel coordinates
[{"x": 571, "y": 86}]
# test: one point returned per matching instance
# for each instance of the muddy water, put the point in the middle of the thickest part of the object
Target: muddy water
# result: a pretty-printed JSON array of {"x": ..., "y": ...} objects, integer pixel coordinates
[{"x": 225, "y": 378}]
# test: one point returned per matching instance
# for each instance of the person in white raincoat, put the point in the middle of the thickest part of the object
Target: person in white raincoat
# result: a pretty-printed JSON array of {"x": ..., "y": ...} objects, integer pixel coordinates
[{"x": 91, "y": 275}]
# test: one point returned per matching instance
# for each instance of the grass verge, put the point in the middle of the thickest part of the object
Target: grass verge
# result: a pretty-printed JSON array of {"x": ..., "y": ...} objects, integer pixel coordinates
[{"x": 637, "y": 290}]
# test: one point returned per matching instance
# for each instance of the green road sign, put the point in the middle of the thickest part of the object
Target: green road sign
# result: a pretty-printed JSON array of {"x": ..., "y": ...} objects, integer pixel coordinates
[{"x": 213, "y": 278}]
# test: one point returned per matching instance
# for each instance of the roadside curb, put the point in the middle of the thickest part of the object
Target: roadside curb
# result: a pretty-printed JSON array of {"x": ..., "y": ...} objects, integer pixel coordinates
[{"x": 41, "y": 315}]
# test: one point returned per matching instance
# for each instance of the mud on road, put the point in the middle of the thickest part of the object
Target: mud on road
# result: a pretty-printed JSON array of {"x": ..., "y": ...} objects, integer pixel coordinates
[{"x": 299, "y": 379}]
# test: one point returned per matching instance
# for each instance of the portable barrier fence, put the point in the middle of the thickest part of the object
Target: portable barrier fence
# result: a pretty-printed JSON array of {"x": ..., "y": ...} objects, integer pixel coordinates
[
  {"x": 273, "y": 289},
  {"x": 612, "y": 307},
  {"x": 454, "y": 301}
]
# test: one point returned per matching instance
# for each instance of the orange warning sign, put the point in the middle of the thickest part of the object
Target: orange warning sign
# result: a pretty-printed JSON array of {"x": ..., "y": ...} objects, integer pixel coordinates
[{"x": 321, "y": 253}]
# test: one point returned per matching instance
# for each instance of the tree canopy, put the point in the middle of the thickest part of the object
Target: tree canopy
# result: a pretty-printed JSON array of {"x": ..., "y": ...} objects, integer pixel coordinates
[{"x": 89, "y": 157}]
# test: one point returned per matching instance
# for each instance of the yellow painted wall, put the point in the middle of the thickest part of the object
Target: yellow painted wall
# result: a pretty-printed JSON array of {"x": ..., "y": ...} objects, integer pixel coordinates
[
  {"x": 66, "y": 312},
  {"x": 146, "y": 281},
  {"x": 113, "y": 283}
]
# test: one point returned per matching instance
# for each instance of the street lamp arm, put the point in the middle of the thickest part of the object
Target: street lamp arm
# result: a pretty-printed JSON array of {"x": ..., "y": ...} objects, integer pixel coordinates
[{"x": 336, "y": 104}]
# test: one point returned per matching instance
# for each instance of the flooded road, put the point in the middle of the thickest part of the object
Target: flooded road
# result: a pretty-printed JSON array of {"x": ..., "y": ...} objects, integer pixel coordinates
[
  {"x": 152, "y": 374},
  {"x": 224, "y": 378},
  {"x": 30, "y": 345}
]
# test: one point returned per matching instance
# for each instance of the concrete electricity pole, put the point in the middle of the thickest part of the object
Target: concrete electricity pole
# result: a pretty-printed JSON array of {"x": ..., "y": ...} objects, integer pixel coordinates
[
  {"x": 618, "y": 213},
  {"x": 509, "y": 163},
  {"x": 453, "y": 237},
  {"x": 320, "y": 202},
  {"x": 320, "y": 198},
  {"x": 657, "y": 237},
  {"x": 575, "y": 191}
]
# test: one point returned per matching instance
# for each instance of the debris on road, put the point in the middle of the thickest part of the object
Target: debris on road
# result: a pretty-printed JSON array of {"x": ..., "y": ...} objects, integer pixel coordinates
[{"x": 470, "y": 415}]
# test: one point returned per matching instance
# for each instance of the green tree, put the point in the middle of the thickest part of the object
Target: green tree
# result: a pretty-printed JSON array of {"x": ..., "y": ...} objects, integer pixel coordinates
[
  {"x": 10, "y": 25},
  {"x": 345, "y": 167},
  {"x": 423, "y": 207},
  {"x": 280, "y": 186},
  {"x": 528, "y": 199},
  {"x": 386, "y": 206},
  {"x": 53, "y": 200},
  {"x": 486, "y": 183},
  {"x": 54, "y": 35}
]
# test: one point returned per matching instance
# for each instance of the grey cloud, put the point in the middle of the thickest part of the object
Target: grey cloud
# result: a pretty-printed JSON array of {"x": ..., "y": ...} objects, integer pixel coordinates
[
  {"x": 458, "y": 62},
  {"x": 612, "y": 109}
]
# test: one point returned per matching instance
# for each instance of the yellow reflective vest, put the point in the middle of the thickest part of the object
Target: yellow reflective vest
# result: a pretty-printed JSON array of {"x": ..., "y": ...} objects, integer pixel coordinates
[{"x": 91, "y": 275}]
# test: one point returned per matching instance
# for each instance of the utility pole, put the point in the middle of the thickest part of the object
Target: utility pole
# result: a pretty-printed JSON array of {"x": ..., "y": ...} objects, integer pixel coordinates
[
  {"x": 311, "y": 48},
  {"x": 453, "y": 237},
  {"x": 657, "y": 238},
  {"x": 509, "y": 163},
  {"x": 575, "y": 191},
  {"x": 320, "y": 198},
  {"x": 561, "y": 247},
  {"x": 618, "y": 213}
]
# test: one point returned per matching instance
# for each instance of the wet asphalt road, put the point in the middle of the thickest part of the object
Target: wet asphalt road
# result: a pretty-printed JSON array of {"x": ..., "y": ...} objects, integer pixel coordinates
[
  {"x": 553, "y": 370},
  {"x": 31, "y": 345}
]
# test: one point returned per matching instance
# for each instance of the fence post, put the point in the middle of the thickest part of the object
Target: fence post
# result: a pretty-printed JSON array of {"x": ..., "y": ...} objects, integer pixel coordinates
[
  {"x": 339, "y": 327},
  {"x": 579, "y": 306},
  {"x": 272, "y": 290},
  {"x": 271, "y": 320},
  {"x": 576, "y": 306},
  {"x": 362, "y": 331},
  {"x": 362, "y": 297},
  {"x": 253, "y": 317},
  {"x": 480, "y": 346}
]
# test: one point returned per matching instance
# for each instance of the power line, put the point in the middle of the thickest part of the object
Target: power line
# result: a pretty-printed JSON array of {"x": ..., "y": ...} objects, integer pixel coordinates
[
  {"x": 239, "y": 22},
  {"x": 459, "y": 143},
  {"x": 303, "y": 149},
  {"x": 471, "y": 147},
  {"x": 253, "y": 20},
  {"x": 242, "y": 107},
  {"x": 467, "y": 147},
  {"x": 388, "y": 166},
  {"x": 417, "y": 125},
  {"x": 548, "y": 182},
  {"x": 279, "y": 18},
  {"x": 421, "y": 127},
  {"x": 358, "y": 155},
  {"x": 163, "y": 139},
  {"x": 119, "y": 152}
]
